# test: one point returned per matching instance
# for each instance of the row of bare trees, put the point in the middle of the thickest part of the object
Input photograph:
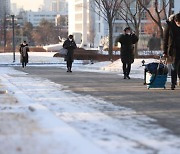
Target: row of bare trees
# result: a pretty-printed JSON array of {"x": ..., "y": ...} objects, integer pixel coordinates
[
  {"x": 45, "y": 33},
  {"x": 132, "y": 12}
]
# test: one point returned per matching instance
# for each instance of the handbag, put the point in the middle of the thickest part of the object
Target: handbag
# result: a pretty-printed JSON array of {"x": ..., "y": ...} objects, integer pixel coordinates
[{"x": 63, "y": 51}]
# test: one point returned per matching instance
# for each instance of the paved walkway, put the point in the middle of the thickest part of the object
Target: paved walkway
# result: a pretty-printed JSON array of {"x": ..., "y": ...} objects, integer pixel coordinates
[{"x": 162, "y": 105}]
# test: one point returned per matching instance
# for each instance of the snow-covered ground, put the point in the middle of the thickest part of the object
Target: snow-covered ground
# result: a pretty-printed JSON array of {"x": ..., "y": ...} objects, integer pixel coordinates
[
  {"x": 57, "y": 121},
  {"x": 46, "y": 58}
]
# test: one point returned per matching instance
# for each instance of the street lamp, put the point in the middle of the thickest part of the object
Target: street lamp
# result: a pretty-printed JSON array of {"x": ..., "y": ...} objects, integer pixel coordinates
[{"x": 13, "y": 38}]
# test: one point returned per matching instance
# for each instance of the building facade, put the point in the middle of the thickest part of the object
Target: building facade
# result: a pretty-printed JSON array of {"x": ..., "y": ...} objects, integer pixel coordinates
[
  {"x": 85, "y": 24},
  {"x": 36, "y": 17},
  {"x": 52, "y": 9},
  {"x": 90, "y": 25},
  {"x": 14, "y": 9},
  {"x": 4, "y": 14},
  {"x": 60, "y": 6},
  {"x": 47, "y": 5},
  {"x": 5, "y": 8}
]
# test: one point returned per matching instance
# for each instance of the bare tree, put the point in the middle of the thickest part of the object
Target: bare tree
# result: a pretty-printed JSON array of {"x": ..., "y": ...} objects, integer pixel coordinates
[
  {"x": 160, "y": 12},
  {"x": 109, "y": 10},
  {"x": 131, "y": 12},
  {"x": 27, "y": 30},
  {"x": 92, "y": 33},
  {"x": 45, "y": 33}
]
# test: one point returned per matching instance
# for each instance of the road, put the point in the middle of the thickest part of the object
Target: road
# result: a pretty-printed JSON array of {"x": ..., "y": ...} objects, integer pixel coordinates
[{"x": 162, "y": 105}]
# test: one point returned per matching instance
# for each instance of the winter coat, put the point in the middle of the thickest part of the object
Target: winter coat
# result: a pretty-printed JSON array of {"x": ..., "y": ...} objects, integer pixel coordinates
[
  {"x": 127, "y": 47},
  {"x": 171, "y": 45},
  {"x": 70, "y": 46},
  {"x": 154, "y": 43},
  {"x": 24, "y": 49}
]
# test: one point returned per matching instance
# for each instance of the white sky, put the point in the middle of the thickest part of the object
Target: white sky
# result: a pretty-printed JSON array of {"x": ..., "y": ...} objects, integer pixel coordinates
[{"x": 28, "y": 4}]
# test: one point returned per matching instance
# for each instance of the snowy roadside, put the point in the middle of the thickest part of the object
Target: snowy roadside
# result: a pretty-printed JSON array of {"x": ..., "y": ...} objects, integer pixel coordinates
[
  {"x": 51, "y": 118},
  {"x": 62, "y": 118},
  {"x": 47, "y": 59},
  {"x": 28, "y": 127}
]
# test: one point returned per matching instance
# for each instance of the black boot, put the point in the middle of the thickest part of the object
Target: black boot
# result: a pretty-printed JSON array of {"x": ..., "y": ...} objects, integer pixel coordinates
[
  {"x": 173, "y": 87},
  {"x": 68, "y": 69},
  {"x": 128, "y": 77}
]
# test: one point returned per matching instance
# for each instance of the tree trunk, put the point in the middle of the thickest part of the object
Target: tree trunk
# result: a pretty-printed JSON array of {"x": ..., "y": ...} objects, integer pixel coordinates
[
  {"x": 161, "y": 31},
  {"x": 110, "y": 40},
  {"x": 136, "y": 45}
]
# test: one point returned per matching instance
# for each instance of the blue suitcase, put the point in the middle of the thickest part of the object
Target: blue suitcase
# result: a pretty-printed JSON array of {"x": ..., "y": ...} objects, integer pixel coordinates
[
  {"x": 156, "y": 81},
  {"x": 155, "y": 75}
]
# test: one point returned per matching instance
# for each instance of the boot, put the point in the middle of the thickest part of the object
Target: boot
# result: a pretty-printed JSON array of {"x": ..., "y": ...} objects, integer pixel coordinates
[
  {"x": 173, "y": 87},
  {"x": 68, "y": 69},
  {"x": 128, "y": 77}
]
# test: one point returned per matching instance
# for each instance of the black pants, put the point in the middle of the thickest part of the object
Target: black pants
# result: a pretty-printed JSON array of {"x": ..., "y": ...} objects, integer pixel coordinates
[
  {"x": 175, "y": 71},
  {"x": 24, "y": 61},
  {"x": 126, "y": 68},
  {"x": 69, "y": 64}
]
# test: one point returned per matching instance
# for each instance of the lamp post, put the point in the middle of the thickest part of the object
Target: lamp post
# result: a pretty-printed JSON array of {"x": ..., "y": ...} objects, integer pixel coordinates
[{"x": 13, "y": 38}]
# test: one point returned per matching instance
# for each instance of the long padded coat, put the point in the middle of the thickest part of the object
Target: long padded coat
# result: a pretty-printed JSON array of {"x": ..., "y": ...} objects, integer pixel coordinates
[
  {"x": 171, "y": 40},
  {"x": 24, "y": 57},
  {"x": 127, "y": 47},
  {"x": 70, "y": 46}
]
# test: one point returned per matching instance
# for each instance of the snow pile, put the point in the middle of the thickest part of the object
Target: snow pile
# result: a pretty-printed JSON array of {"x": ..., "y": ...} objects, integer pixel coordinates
[
  {"x": 137, "y": 70},
  {"x": 34, "y": 57}
]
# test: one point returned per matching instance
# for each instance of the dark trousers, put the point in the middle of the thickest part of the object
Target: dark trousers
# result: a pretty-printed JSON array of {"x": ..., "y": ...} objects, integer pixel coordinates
[
  {"x": 69, "y": 64},
  {"x": 175, "y": 71},
  {"x": 126, "y": 68},
  {"x": 24, "y": 61}
]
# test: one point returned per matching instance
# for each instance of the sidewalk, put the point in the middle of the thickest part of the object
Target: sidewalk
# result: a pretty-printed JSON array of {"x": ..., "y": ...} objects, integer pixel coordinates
[{"x": 25, "y": 130}]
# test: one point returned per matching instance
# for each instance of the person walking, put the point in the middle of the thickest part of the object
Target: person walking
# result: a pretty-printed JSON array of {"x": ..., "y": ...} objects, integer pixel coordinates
[
  {"x": 154, "y": 43},
  {"x": 70, "y": 45},
  {"x": 127, "y": 40},
  {"x": 171, "y": 46},
  {"x": 24, "y": 49}
]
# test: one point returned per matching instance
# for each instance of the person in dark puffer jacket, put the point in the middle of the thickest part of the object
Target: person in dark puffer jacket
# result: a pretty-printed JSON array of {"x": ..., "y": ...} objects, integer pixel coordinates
[
  {"x": 127, "y": 40},
  {"x": 70, "y": 45},
  {"x": 171, "y": 46}
]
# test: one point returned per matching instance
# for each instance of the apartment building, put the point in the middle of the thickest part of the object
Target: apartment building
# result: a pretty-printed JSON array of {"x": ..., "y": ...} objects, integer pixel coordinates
[
  {"x": 4, "y": 8},
  {"x": 60, "y": 6},
  {"x": 47, "y": 5},
  {"x": 36, "y": 17},
  {"x": 84, "y": 22},
  {"x": 89, "y": 24}
]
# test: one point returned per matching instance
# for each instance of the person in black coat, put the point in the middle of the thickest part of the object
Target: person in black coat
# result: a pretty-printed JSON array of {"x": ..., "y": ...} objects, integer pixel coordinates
[
  {"x": 171, "y": 46},
  {"x": 24, "y": 49},
  {"x": 154, "y": 43},
  {"x": 127, "y": 40},
  {"x": 70, "y": 45}
]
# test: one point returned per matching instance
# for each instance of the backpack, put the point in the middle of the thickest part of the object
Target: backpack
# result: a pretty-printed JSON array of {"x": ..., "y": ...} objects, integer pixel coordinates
[
  {"x": 157, "y": 68},
  {"x": 24, "y": 51}
]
